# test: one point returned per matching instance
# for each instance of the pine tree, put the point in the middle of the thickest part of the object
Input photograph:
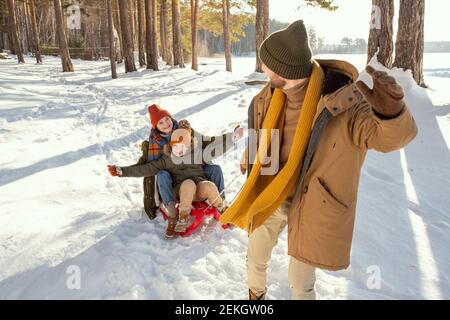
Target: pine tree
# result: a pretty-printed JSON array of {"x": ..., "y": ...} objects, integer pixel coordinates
[
  {"x": 119, "y": 48},
  {"x": 178, "y": 58},
  {"x": 34, "y": 31},
  {"x": 409, "y": 45},
  {"x": 112, "y": 49},
  {"x": 166, "y": 46},
  {"x": 154, "y": 38},
  {"x": 324, "y": 4},
  {"x": 127, "y": 36},
  {"x": 151, "y": 34},
  {"x": 66, "y": 62},
  {"x": 141, "y": 33},
  {"x": 194, "y": 25},
  {"x": 262, "y": 28},
  {"x": 240, "y": 25},
  {"x": 13, "y": 31},
  {"x": 226, "y": 34}
]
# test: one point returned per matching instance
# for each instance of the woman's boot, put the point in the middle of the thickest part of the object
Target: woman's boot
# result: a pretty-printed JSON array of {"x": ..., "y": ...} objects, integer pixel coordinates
[{"x": 172, "y": 220}]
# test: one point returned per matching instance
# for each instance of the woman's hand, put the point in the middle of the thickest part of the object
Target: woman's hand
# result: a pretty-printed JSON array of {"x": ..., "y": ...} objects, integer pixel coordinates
[
  {"x": 184, "y": 124},
  {"x": 114, "y": 170},
  {"x": 238, "y": 133}
]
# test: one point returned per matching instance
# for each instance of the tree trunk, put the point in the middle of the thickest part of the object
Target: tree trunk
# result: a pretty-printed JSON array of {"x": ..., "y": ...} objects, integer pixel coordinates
[
  {"x": 13, "y": 31},
  {"x": 10, "y": 37},
  {"x": 162, "y": 31},
  {"x": 127, "y": 37},
  {"x": 63, "y": 49},
  {"x": 226, "y": 34},
  {"x": 420, "y": 48},
  {"x": 178, "y": 58},
  {"x": 194, "y": 24},
  {"x": 148, "y": 32},
  {"x": 119, "y": 48},
  {"x": 112, "y": 49},
  {"x": 154, "y": 37},
  {"x": 165, "y": 36},
  {"x": 2, "y": 42},
  {"x": 34, "y": 30},
  {"x": 131, "y": 14},
  {"x": 262, "y": 28},
  {"x": 381, "y": 32},
  {"x": 409, "y": 45},
  {"x": 141, "y": 35},
  {"x": 21, "y": 27},
  {"x": 28, "y": 40}
]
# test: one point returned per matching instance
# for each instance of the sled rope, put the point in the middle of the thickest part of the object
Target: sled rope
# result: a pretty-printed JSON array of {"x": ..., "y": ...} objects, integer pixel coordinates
[{"x": 224, "y": 189}]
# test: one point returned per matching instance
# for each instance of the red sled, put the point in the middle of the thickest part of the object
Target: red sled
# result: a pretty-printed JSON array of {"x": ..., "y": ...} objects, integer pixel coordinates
[{"x": 200, "y": 209}]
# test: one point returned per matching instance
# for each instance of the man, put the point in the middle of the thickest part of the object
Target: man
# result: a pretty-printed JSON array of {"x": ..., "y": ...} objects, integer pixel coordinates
[{"x": 326, "y": 124}]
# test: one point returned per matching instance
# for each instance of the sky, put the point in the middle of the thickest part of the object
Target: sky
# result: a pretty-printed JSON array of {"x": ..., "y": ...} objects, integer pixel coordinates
[{"x": 352, "y": 18}]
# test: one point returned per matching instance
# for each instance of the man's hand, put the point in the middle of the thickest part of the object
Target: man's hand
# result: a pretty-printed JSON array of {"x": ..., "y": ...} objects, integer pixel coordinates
[
  {"x": 386, "y": 97},
  {"x": 114, "y": 170},
  {"x": 243, "y": 165}
]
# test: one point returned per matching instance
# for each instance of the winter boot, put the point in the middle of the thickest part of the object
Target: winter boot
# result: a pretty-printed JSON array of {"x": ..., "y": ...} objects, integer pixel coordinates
[
  {"x": 171, "y": 223},
  {"x": 172, "y": 220},
  {"x": 222, "y": 208},
  {"x": 183, "y": 220},
  {"x": 252, "y": 296}
]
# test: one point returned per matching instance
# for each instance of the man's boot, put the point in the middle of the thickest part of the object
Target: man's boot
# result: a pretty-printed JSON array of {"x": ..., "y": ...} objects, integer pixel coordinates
[
  {"x": 172, "y": 220},
  {"x": 252, "y": 296}
]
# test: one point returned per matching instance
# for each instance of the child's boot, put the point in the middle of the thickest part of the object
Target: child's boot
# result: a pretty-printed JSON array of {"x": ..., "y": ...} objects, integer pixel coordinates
[{"x": 183, "y": 220}]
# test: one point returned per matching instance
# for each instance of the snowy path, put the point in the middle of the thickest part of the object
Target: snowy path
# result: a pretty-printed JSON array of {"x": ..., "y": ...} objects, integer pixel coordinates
[{"x": 59, "y": 208}]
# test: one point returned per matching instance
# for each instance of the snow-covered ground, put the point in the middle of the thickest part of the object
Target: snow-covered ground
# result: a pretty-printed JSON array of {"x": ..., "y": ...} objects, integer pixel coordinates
[{"x": 61, "y": 212}]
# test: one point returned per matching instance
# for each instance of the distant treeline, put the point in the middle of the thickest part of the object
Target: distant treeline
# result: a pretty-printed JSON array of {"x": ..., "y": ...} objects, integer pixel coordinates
[
  {"x": 437, "y": 46},
  {"x": 246, "y": 46}
]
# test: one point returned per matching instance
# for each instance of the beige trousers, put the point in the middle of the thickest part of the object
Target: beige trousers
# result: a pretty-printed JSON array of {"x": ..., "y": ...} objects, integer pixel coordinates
[
  {"x": 260, "y": 244},
  {"x": 189, "y": 191}
]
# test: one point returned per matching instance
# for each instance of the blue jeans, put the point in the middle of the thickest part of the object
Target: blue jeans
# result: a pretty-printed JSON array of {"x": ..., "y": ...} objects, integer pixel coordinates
[{"x": 164, "y": 181}]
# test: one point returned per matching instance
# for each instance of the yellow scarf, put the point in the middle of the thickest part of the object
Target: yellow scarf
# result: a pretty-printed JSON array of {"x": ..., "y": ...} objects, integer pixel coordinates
[{"x": 261, "y": 195}]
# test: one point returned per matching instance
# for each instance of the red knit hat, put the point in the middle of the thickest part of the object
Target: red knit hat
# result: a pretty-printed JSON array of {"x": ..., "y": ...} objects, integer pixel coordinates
[{"x": 156, "y": 114}]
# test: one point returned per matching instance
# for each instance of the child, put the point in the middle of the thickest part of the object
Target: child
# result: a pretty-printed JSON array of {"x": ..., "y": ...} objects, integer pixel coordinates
[{"x": 189, "y": 181}]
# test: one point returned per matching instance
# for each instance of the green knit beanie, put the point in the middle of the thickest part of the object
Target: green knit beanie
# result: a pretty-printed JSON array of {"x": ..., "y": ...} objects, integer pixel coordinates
[{"x": 287, "y": 52}]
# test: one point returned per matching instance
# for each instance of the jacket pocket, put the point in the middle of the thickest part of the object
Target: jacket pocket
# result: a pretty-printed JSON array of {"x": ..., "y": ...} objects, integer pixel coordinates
[
  {"x": 326, "y": 227},
  {"x": 328, "y": 199}
]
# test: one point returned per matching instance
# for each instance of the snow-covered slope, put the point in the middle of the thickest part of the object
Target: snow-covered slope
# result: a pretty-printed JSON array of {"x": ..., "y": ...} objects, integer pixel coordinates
[{"x": 60, "y": 211}]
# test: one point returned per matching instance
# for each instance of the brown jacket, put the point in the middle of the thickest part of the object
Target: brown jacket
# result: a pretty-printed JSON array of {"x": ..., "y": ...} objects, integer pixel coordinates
[{"x": 322, "y": 214}]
